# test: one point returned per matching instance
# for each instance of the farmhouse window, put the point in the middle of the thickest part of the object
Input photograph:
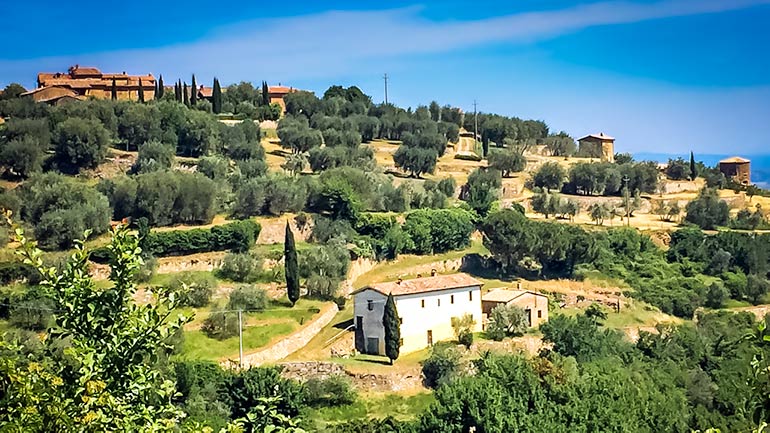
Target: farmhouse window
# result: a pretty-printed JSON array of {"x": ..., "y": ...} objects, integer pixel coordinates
[{"x": 370, "y": 305}]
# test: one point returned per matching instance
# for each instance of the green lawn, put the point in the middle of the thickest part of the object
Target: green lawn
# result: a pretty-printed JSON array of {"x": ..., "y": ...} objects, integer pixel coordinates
[
  {"x": 260, "y": 329},
  {"x": 198, "y": 346},
  {"x": 368, "y": 407}
]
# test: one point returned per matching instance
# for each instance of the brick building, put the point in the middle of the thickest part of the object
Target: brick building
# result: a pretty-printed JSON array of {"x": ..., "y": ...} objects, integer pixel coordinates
[{"x": 82, "y": 82}]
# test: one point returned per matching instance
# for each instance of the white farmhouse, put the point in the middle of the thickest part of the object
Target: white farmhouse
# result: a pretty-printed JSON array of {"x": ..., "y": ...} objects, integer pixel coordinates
[{"x": 425, "y": 305}]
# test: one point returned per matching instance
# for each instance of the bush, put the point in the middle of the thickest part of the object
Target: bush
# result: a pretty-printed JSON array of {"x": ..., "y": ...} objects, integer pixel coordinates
[
  {"x": 465, "y": 338},
  {"x": 200, "y": 287},
  {"x": 238, "y": 236},
  {"x": 506, "y": 320},
  {"x": 467, "y": 157},
  {"x": 708, "y": 211},
  {"x": 442, "y": 366},
  {"x": 146, "y": 270},
  {"x": 241, "y": 267},
  {"x": 221, "y": 325},
  {"x": 439, "y": 230},
  {"x": 247, "y": 388},
  {"x": 332, "y": 391},
  {"x": 247, "y": 298}
]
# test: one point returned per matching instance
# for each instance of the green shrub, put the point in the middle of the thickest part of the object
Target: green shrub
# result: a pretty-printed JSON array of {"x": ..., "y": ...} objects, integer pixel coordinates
[
  {"x": 238, "y": 236},
  {"x": 442, "y": 366},
  {"x": 332, "y": 391},
  {"x": 146, "y": 270},
  {"x": 241, "y": 267},
  {"x": 247, "y": 298},
  {"x": 221, "y": 325},
  {"x": 200, "y": 287}
]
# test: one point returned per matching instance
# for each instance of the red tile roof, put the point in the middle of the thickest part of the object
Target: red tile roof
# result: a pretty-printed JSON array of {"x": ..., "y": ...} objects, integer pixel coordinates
[
  {"x": 425, "y": 284},
  {"x": 280, "y": 90}
]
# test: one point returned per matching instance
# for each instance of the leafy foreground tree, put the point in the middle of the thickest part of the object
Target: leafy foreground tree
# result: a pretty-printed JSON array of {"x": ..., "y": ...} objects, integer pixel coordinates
[
  {"x": 106, "y": 379},
  {"x": 99, "y": 370}
]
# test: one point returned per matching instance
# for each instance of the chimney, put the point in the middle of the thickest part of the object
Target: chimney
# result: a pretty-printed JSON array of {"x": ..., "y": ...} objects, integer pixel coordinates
[
  {"x": 432, "y": 272},
  {"x": 399, "y": 281}
]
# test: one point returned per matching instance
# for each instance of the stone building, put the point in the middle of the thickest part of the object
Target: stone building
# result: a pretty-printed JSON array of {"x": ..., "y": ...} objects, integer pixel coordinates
[
  {"x": 82, "y": 82},
  {"x": 597, "y": 146},
  {"x": 737, "y": 169}
]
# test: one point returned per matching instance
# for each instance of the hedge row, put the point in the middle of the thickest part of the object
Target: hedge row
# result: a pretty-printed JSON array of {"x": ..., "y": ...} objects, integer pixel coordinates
[{"x": 238, "y": 236}]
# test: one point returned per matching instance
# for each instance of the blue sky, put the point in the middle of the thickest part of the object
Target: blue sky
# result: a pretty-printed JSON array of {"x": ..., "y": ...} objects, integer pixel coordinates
[{"x": 662, "y": 76}]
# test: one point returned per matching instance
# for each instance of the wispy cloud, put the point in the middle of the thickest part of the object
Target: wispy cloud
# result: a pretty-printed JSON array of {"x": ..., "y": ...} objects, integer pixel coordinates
[{"x": 332, "y": 43}]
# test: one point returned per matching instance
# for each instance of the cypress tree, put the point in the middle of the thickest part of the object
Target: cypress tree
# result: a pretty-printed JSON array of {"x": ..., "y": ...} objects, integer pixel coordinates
[
  {"x": 178, "y": 91},
  {"x": 141, "y": 91},
  {"x": 193, "y": 92},
  {"x": 392, "y": 325},
  {"x": 265, "y": 94},
  {"x": 693, "y": 170},
  {"x": 216, "y": 97},
  {"x": 185, "y": 95},
  {"x": 114, "y": 91},
  {"x": 161, "y": 89},
  {"x": 292, "y": 266}
]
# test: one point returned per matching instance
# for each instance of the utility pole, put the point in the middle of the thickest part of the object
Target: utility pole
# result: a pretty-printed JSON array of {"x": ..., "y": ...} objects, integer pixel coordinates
[
  {"x": 385, "y": 77},
  {"x": 240, "y": 338},
  {"x": 475, "y": 126},
  {"x": 628, "y": 202}
]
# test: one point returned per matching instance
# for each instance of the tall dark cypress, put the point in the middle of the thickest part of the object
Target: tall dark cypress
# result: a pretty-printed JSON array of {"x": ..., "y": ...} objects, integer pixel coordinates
[
  {"x": 114, "y": 91},
  {"x": 161, "y": 89},
  {"x": 693, "y": 169},
  {"x": 392, "y": 325},
  {"x": 185, "y": 95},
  {"x": 265, "y": 94},
  {"x": 216, "y": 97},
  {"x": 178, "y": 91},
  {"x": 292, "y": 266},
  {"x": 193, "y": 92},
  {"x": 141, "y": 91}
]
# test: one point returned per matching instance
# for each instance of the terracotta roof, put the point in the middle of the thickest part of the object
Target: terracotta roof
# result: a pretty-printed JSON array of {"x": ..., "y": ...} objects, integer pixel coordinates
[
  {"x": 599, "y": 136},
  {"x": 206, "y": 92},
  {"x": 425, "y": 284},
  {"x": 84, "y": 70},
  {"x": 280, "y": 89},
  {"x": 505, "y": 295},
  {"x": 734, "y": 159}
]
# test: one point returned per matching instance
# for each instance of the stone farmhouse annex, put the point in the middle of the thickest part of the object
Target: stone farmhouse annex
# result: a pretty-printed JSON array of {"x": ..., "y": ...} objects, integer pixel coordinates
[{"x": 425, "y": 305}]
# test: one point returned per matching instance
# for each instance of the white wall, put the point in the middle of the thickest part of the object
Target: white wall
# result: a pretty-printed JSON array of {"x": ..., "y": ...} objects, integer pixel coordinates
[{"x": 417, "y": 320}]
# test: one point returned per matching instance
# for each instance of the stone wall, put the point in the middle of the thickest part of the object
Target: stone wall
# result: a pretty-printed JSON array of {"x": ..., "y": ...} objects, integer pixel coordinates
[
  {"x": 380, "y": 382},
  {"x": 292, "y": 342}
]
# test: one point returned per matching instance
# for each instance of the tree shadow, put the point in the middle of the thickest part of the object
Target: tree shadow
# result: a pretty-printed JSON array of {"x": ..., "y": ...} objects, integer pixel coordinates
[
  {"x": 374, "y": 360},
  {"x": 344, "y": 324}
]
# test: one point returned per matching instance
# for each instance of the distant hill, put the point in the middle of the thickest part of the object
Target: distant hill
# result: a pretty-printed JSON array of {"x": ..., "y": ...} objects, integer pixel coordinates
[{"x": 760, "y": 164}]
